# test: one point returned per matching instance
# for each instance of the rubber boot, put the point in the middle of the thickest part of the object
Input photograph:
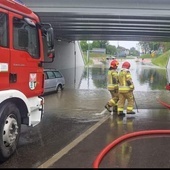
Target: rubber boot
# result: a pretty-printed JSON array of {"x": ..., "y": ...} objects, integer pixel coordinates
[
  {"x": 131, "y": 112},
  {"x": 108, "y": 107},
  {"x": 121, "y": 113},
  {"x": 115, "y": 109}
]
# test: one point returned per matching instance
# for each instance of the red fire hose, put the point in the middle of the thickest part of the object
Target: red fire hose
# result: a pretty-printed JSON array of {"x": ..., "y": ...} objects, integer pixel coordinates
[
  {"x": 164, "y": 104},
  {"x": 125, "y": 137}
]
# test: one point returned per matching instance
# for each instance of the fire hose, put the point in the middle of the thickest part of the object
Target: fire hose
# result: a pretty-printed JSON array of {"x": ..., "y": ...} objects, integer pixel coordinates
[
  {"x": 101, "y": 155},
  {"x": 164, "y": 104}
]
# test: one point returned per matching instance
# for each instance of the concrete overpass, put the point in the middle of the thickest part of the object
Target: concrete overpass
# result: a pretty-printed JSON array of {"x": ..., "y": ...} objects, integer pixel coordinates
[{"x": 139, "y": 20}]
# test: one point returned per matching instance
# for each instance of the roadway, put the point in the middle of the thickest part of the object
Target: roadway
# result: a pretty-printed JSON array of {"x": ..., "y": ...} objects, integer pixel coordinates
[{"x": 76, "y": 128}]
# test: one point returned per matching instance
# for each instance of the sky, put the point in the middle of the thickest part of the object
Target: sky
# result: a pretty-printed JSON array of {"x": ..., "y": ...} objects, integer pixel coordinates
[{"x": 125, "y": 44}]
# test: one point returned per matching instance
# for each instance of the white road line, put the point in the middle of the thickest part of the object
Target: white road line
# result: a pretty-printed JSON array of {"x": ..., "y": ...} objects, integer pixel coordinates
[{"x": 61, "y": 153}]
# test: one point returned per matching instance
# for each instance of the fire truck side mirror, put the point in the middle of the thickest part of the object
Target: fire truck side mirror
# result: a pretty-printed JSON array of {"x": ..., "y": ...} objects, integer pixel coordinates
[
  {"x": 50, "y": 38},
  {"x": 50, "y": 43}
]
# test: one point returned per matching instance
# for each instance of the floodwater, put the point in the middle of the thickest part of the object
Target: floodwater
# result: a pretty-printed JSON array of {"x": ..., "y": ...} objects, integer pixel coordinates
[
  {"x": 145, "y": 76},
  {"x": 86, "y": 89},
  {"x": 80, "y": 105}
]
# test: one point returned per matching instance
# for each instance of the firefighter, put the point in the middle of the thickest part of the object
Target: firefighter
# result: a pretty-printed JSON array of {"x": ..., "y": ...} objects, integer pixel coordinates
[
  {"x": 126, "y": 88},
  {"x": 112, "y": 86}
]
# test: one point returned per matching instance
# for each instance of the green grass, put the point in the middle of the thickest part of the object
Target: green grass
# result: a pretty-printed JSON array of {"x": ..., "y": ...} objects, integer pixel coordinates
[
  {"x": 162, "y": 60},
  {"x": 145, "y": 56}
]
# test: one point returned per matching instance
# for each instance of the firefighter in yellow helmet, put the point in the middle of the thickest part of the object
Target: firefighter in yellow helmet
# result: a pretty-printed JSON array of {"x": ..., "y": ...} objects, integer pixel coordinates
[
  {"x": 112, "y": 86},
  {"x": 126, "y": 88}
]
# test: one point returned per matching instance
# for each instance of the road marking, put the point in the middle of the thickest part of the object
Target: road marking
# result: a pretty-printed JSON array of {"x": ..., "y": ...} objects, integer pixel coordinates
[{"x": 66, "y": 149}]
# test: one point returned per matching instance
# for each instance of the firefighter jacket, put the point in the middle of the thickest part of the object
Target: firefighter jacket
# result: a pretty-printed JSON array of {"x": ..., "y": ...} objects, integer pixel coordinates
[
  {"x": 112, "y": 80},
  {"x": 125, "y": 81}
]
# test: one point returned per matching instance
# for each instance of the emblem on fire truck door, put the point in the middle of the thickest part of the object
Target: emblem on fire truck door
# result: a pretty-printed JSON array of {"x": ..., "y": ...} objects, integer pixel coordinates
[{"x": 32, "y": 81}]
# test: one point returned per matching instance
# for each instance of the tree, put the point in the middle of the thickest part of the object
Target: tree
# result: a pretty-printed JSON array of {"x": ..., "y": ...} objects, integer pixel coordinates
[
  {"x": 154, "y": 46},
  {"x": 100, "y": 44},
  {"x": 144, "y": 46},
  {"x": 111, "y": 49},
  {"x": 166, "y": 46},
  {"x": 96, "y": 44},
  {"x": 84, "y": 46},
  {"x": 149, "y": 46},
  {"x": 134, "y": 52}
]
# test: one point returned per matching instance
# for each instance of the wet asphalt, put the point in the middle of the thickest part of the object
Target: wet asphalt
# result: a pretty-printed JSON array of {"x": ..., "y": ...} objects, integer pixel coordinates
[{"x": 76, "y": 128}]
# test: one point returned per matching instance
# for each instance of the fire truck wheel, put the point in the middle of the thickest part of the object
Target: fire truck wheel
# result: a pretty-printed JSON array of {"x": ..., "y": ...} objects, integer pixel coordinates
[{"x": 10, "y": 125}]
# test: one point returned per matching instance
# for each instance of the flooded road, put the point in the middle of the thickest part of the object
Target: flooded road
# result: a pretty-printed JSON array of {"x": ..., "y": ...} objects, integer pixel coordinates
[
  {"x": 145, "y": 76},
  {"x": 149, "y": 81},
  {"x": 81, "y": 105}
]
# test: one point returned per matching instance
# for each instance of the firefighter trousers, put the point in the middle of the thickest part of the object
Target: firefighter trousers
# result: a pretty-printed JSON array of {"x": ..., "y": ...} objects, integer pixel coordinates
[
  {"x": 115, "y": 97},
  {"x": 122, "y": 101}
]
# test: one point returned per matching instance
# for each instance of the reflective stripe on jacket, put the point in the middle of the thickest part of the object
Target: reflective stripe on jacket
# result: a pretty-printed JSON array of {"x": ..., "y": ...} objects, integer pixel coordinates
[
  {"x": 125, "y": 81},
  {"x": 112, "y": 80}
]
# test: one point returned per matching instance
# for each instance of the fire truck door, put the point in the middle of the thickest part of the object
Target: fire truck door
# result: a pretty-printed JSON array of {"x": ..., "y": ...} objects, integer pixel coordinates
[
  {"x": 4, "y": 50},
  {"x": 25, "y": 75}
]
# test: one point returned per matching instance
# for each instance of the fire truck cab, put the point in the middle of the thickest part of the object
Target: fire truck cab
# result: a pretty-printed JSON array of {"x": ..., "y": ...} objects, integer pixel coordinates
[{"x": 22, "y": 53}]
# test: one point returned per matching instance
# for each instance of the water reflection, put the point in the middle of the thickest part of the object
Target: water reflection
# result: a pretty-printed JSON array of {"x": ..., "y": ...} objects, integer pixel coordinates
[
  {"x": 120, "y": 155},
  {"x": 145, "y": 76},
  {"x": 94, "y": 78}
]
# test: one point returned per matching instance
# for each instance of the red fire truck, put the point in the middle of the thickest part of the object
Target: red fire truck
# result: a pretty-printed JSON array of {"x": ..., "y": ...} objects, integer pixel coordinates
[{"x": 25, "y": 42}]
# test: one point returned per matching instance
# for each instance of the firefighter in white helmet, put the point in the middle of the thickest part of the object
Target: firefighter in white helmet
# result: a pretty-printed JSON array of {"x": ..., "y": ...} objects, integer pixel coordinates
[
  {"x": 112, "y": 86},
  {"x": 126, "y": 88}
]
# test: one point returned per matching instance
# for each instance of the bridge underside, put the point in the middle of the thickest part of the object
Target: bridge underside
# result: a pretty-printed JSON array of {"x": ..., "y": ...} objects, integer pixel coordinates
[{"x": 131, "y": 20}]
